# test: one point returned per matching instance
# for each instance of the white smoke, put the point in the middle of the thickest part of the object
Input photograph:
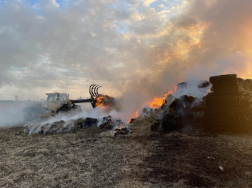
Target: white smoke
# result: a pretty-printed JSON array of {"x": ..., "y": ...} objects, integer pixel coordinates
[
  {"x": 192, "y": 89},
  {"x": 11, "y": 114},
  {"x": 66, "y": 122}
]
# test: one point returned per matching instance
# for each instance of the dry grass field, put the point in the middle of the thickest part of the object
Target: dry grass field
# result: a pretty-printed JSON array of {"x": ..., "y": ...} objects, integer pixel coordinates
[{"x": 89, "y": 158}]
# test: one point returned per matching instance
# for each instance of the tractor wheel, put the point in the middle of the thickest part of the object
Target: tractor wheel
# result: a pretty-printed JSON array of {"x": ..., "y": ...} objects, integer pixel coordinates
[{"x": 63, "y": 110}]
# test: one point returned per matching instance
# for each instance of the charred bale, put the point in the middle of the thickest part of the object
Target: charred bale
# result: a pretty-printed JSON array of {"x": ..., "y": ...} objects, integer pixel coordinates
[
  {"x": 198, "y": 110},
  {"x": 171, "y": 122},
  {"x": 79, "y": 123},
  {"x": 132, "y": 120},
  {"x": 107, "y": 123},
  {"x": 176, "y": 105},
  {"x": 90, "y": 122},
  {"x": 183, "y": 105},
  {"x": 121, "y": 131},
  {"x": 204, "y": 84},
  {"x": 187, "y": 100},
  {"x": 182, "y": 85}
]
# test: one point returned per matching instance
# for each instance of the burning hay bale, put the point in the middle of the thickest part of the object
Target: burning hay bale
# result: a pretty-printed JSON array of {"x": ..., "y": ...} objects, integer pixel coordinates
[
  {"x": 120, "y": 128},
  {"x": 174, "y": 112},
  {"x": 183, "y": 105},
  {"x": 105, "y": 101},
  {"x": 143, "y": 124},
  {"x": 116, "y": 127},
  {"x": 226, "y": 108},
  {"x": 121, "y": 131}
]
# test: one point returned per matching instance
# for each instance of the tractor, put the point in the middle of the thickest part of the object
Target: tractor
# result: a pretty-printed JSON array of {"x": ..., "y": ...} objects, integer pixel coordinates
[{"x": 59, "y": 103}]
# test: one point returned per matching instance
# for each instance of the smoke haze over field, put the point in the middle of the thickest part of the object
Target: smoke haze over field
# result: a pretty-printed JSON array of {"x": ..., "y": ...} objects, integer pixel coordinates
[
  {"x": 11, "y": 114},
  {"x": 135, "y": 48}
]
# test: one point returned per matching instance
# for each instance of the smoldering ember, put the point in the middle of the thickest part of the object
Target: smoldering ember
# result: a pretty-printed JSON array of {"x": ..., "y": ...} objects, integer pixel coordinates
[{"x": 199, "y": 135}]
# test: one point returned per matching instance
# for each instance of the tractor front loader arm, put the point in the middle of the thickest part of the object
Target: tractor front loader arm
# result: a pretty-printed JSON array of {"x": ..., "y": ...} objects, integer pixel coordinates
[{"x": 93, "y": 90}]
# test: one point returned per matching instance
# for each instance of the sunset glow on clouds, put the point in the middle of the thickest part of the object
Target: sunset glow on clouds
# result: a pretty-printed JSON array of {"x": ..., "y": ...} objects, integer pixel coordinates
[{"x": 132, "y": 47}]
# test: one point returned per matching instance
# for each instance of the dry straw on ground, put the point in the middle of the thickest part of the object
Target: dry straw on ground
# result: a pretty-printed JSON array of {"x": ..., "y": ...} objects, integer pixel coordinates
[{"x": 85, "y": 158}]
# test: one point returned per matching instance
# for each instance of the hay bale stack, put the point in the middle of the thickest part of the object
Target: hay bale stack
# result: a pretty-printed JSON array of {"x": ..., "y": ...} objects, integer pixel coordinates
[
  {"x": 228, "y": 110},
  {"x": 224, "y": 84}
]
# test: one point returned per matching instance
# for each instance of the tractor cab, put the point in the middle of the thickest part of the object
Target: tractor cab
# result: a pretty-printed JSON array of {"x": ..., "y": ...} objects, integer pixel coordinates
[
  {"x": 57, "y": 97},
  {"x": 55, "y": 101},
  {"x": 58, "y": 103}
]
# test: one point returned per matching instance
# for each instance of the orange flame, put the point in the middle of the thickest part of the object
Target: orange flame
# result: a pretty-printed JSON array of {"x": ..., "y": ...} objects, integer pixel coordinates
[
  {"x": 99, "y": 102},
  {"x": 135, "y": 116},
  {"x": 103, "y": 101},
  {"x": 159, "y": 101},
  {"x": 121, "y": 127}
]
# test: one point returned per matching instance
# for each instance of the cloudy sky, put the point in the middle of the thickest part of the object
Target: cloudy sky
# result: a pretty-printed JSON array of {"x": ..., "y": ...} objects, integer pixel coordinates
[{"x": 136, "y": 48}]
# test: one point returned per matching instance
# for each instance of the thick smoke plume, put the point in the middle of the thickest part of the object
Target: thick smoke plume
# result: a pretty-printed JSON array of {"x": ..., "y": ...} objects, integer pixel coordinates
[{"x": 135, "y": 49}]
